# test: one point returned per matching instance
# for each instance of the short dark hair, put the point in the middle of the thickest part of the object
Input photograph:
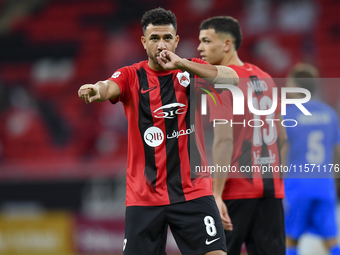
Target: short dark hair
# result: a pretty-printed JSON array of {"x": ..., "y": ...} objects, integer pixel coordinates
[
  {"x": 158, "y": 16},
  {"x": 226, "y": 25},
  {"x": 305, "y": 76}
]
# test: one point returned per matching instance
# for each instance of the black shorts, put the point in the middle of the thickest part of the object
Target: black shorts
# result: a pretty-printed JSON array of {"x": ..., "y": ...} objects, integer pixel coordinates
[
  {"x": 196, "y": 226},
  {"x": 259, "y": 223}
]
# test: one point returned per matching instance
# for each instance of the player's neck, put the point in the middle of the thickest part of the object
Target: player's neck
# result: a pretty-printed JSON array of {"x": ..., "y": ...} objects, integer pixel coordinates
[
  {"x": 232, "y": 59},
  {"x": 154, "y": 66}
]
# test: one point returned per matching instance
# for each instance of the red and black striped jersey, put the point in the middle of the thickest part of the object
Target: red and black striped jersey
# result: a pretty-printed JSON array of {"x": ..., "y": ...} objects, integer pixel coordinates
[
  {"x": 164, "y": 135},
  {"x": 256, "y": 144}
]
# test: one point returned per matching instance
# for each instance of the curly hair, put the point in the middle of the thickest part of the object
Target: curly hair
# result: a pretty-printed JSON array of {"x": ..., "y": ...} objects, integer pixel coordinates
[
  {"x": 158, "y": 16},
  {"x": 226, "y": 25}
]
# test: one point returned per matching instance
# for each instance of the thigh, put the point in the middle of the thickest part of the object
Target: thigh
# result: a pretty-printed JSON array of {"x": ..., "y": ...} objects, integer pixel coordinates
[
  {"x": 324, "y": 218},
  {"x": 267, "y": 235},
  {"x": 297, "y": 216},
  {"x": 196, "y": 226},
  {"x": 241, "y": 213},
  {"x": 145, "y": 230}
]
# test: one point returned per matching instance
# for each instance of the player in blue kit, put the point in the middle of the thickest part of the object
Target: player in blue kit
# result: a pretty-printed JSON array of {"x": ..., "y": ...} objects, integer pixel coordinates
[{"x": 310, "y": 204}]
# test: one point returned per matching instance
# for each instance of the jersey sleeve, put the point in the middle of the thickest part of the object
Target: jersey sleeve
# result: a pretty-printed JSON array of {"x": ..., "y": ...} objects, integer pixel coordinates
[
  {"x": 199, "y": 61},
  {"x": 121, "y": 78},
  {"x": 203, "y": 84}
]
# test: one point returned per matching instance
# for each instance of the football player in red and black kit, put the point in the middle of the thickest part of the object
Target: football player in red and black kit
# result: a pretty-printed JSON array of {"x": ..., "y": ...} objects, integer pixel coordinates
[
  {"x": 250, "y": 202},
  {"x": 163, "y": 132}
]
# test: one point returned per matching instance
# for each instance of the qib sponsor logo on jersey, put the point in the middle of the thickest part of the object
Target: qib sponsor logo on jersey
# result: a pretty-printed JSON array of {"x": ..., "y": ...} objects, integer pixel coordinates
[
  {"x": 170, "y": 114},
  {"x": 153, "y": 136},
  {"x": 183, "y": 79}
]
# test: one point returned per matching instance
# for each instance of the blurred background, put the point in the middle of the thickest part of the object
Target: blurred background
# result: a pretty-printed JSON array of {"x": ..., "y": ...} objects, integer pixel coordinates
[{"x": 62, "y": 162}]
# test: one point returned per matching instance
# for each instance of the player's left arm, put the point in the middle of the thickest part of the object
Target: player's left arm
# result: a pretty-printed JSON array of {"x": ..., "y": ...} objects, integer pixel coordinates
[
  {"x": 214, "y": 74},
  {"x": 222, "y": 152}
]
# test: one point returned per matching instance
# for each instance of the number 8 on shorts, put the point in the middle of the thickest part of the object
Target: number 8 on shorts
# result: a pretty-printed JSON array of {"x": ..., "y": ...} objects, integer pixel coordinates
[{"x": 210, "y": 225}]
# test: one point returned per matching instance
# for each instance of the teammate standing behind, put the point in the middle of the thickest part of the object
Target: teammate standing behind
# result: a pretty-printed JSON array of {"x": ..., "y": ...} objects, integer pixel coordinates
[
  {"x": 252, "y": 210},
  {"x": 160, "y": 191},
  {"x": 310, "y": 203}
]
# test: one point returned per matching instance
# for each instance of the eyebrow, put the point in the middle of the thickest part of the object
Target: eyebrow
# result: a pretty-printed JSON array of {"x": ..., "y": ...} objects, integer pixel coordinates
[
  {"x": 205, "y": 38},
  {"x": 163, "y": 35}
]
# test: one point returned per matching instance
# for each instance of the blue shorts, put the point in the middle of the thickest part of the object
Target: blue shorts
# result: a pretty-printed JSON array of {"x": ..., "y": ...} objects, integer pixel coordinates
[{"x": 317, "y": 216}]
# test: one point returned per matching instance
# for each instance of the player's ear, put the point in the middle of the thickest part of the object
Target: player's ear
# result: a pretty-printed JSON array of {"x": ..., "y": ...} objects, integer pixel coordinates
[
  {"x": 227, "y": 45},
  {"x": 143, "y": 40},
  {"x": 177, "y": 40}
]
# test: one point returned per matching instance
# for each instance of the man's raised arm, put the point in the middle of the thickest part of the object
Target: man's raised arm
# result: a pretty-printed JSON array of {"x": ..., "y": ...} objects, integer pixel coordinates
[
  {"x": 214, "y": 74},
  {"x": 101, "y": 91}
]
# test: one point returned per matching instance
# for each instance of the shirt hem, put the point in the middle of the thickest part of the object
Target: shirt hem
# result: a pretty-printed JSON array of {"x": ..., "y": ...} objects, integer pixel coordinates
[
  {"x": 151, "y": 203},
  {"x": 249, "y": 196}
]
